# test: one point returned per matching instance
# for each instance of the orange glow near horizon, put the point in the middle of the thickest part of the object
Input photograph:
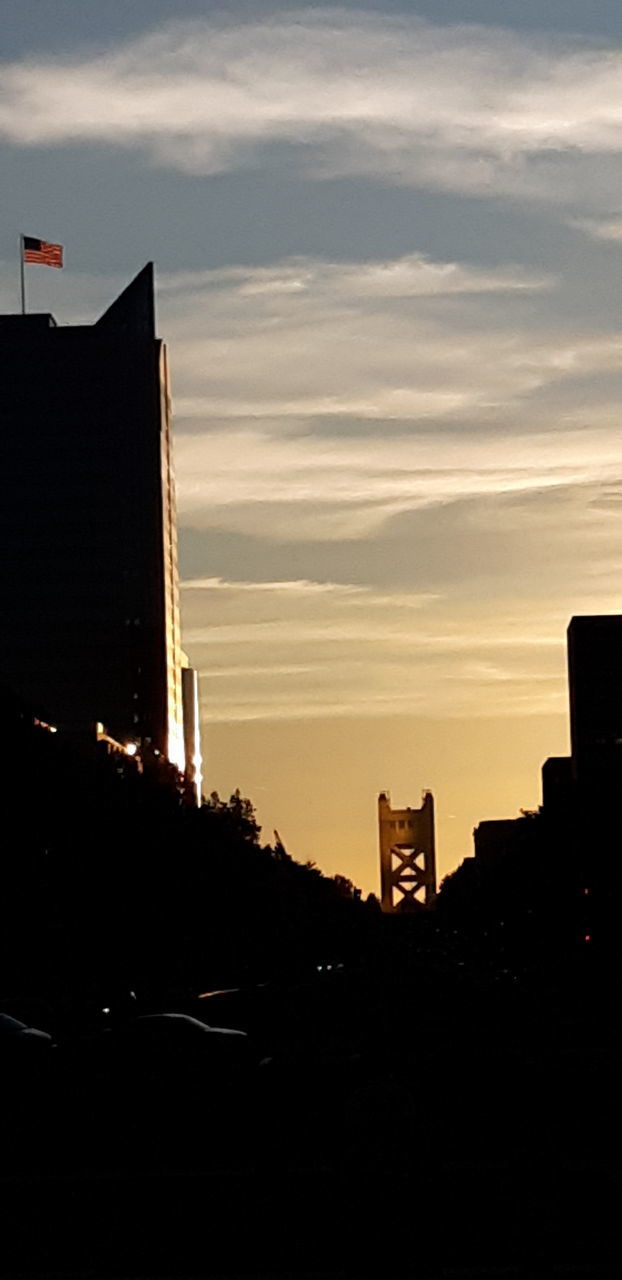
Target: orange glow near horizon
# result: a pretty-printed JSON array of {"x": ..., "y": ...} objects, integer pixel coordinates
[{"x": 318, "y": 781}]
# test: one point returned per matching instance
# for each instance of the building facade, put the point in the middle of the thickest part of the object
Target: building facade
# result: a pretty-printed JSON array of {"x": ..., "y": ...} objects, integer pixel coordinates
[{"x": 88, "y": 572}]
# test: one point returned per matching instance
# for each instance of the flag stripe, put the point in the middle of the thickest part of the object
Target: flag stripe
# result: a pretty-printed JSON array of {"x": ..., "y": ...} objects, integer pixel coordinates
[{"x": 42, "y": 252}]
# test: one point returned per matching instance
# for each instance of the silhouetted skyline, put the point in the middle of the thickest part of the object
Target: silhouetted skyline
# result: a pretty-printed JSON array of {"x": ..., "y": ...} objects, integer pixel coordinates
[
  {"x": 395, "y": 352},
  {"x": 388, "y": 249}
]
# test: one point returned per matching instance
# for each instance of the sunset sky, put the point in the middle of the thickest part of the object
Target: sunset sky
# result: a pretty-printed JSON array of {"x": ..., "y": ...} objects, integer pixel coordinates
[{"x": 388, "y": 245}]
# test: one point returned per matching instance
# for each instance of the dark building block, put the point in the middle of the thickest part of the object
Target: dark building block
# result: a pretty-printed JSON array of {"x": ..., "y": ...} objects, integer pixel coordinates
[
  {"x": 595, "y": 679},
  {"x": 88, "y": 570}
]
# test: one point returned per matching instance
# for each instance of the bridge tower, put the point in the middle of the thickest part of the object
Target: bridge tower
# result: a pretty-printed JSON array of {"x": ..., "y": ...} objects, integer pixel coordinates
[{"x": 407, "y": 855}]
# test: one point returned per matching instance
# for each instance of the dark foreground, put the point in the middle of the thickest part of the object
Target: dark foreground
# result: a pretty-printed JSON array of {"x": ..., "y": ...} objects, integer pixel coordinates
[
  {"x": 433, "y": 1125},
  {"x": 460, "y": 1220}
]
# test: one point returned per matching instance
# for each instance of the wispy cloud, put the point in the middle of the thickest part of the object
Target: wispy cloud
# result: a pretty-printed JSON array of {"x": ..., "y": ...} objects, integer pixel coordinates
[
  {"x": 316, "y": 339},
  {"x": 463, "y": 107},
  {"x": 298, "y": 587},
  {"x": 351, "y": 488},
  {"x": 600, "y": 228},
  {"x": 291, "y": 651},
  {"x": 412, "y": 275},
  {"x": 262, "y": 364}
]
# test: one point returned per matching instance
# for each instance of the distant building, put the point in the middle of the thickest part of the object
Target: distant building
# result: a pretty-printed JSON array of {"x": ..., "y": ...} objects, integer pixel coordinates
[
  {"x": 407, "y": 855},
  {"x": 493, "y": 837},
  {"x": 192, "y": 729},
  {"x": 557, "y": 785},
  {"x": 595, "y": 679},
  {"x": 88, "y": 572}
]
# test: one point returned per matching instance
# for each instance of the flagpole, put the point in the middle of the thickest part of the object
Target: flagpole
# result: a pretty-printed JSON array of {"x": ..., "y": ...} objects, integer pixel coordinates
[{"x": 22, "y": 278}]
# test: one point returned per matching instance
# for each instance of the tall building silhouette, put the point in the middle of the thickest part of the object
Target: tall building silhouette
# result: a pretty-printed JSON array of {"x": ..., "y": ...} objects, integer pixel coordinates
[
  {"x": 88, "y": 570},
  {"x": 595, "y": 686}
]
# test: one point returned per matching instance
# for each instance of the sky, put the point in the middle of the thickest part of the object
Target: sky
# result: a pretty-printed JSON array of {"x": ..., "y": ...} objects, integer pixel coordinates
[{"x": 388, "y": 244}]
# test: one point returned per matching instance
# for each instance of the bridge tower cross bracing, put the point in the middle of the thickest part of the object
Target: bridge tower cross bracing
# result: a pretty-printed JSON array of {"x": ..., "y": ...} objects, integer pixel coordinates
[{"x": 407, "y": 855}]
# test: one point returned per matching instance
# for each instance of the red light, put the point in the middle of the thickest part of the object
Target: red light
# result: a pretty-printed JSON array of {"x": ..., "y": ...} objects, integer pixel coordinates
[{"x": 588, "y": 937}]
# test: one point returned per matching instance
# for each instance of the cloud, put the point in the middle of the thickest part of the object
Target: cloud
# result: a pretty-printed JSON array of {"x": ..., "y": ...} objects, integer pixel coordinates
[
  {"x": 472, "y": 624},
  {"x": 492, "y": 645},
  {"x": 297, "y": 489},
  {"x": 599, "y": 229},
  {"x": 455, "y": 397},
  {"x": 299, "y": 587},
  {"x": 297, "y": 651},
  {"x": 312, "y": 339},
  {"x": 449, "y": 383},
  {"x": 462, "y": 107},
  {"x": 303, "y": 593},
  {"x": 411, "y": 275}
]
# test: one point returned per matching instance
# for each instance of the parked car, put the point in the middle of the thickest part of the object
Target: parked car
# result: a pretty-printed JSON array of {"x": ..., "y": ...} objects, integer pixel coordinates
[
  {"x": 158, "y": 1088},
  {"x": 15, "y": 1034}
]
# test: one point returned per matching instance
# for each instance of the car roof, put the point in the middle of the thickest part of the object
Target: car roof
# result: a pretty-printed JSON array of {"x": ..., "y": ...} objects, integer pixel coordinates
[
  {"x": 10, "y": 1025},
  {"x": 181, "y": 1019}
]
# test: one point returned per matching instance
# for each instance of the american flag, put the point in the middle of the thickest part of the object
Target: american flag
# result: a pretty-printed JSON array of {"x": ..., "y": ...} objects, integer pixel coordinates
[{"x": 42, "y": 252}]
